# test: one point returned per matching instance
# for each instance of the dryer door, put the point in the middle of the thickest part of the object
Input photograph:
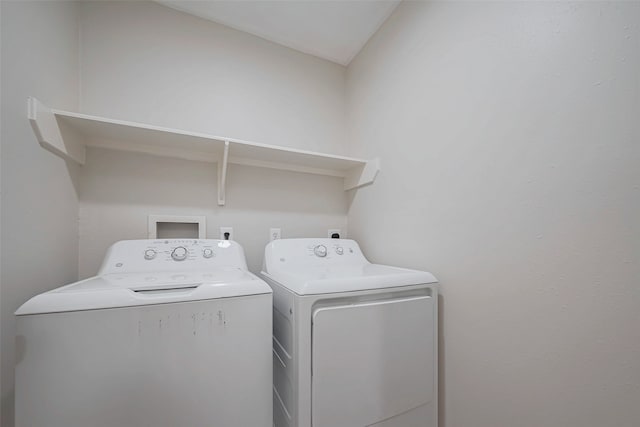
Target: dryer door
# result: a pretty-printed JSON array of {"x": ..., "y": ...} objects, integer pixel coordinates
[{"x": 372, "y": 361}]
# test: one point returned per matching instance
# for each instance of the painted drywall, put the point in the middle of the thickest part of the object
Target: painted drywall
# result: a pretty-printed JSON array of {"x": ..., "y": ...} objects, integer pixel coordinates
[
  {"x": 39, "y": 202},
  {"x": 509, "y": 140},
  {"x": 149, "y": 63},
  {"x": 145, "y": 62}
]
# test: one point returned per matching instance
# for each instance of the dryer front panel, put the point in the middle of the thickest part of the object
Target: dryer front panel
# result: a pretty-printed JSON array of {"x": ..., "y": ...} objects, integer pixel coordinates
[{"x": 372, "y": 361}]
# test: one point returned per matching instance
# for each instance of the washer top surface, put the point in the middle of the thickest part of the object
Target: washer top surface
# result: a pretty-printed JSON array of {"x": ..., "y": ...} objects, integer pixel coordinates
[
  {"x": 147, "y": 272},
  {"x": 321, "y": 266}
]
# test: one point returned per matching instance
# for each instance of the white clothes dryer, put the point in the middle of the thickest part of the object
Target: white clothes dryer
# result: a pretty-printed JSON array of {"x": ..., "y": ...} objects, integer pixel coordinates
[
  {"x": 354, "y": 343},
  {"x": 169, "y": 333}
]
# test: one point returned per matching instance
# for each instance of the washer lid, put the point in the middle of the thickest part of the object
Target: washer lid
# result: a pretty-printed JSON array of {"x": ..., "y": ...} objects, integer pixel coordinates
[
  {"x": 347, "y": 278},
  {"x": 137, "y": 289}
]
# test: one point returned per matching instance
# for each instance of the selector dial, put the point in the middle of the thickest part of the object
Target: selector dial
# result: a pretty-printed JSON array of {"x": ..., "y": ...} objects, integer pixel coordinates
[
  {"x": 339, "y": 250},
  {"x": 150, "y": 254},
  {"x": 320, "y": 250},
  {"x": 207, "y": 252},
  {"x": 180, "y": 253}
]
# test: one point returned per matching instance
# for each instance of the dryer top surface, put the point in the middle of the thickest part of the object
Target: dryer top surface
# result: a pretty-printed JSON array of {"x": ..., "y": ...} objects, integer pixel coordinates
[{"x": 321, "y": 266}]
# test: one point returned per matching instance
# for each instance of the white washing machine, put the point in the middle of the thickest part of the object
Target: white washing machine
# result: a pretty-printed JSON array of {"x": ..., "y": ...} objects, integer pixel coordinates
[
  {"x": 354, "y": 343},
  {"x": 169, "y": 333}
]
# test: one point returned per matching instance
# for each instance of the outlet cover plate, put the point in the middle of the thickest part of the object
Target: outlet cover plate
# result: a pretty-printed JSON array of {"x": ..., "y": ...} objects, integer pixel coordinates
[{"x": 274, "y": 234}]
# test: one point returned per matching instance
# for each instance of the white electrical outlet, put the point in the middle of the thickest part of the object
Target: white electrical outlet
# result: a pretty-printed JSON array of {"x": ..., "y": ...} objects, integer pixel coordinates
[
  {"x": 274, "y": 234},
  {"x": 333, "y": 231},
  {"x": 224, "y": 231}
]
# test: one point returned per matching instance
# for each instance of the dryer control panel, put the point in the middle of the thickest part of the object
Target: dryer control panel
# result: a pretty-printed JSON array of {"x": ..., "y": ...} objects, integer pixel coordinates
[
  {"x": 334, "y": 248},
  {"x": 310, "y": 253},
  {"x": 137, "y": 256}
]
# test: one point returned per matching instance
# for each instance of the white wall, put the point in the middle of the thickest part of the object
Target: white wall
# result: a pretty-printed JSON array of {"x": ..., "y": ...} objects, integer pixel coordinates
[
  {"x": 39, "y": 202},
  {"x": 144, "y": 62},
  {"x": 509, "y": 138}
]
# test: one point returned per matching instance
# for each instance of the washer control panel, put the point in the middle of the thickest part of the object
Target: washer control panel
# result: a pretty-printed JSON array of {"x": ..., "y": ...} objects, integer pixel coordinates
[{"x": 171, "y": 254}]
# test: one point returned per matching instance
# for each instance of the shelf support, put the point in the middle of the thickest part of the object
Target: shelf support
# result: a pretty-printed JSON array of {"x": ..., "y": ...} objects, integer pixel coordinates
[
  {"x": 362, "y": 175},
  {"x": 222, "y": 173},
  {"x": 53, "y": 135}
]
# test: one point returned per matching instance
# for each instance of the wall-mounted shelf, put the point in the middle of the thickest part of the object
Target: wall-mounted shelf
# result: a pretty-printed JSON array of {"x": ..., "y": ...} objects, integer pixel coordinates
[{"x": 68, "y": 134}]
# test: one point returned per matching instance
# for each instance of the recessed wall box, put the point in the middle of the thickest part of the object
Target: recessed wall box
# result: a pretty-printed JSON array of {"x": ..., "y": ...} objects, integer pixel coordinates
[{"x": 177, "y": 226}]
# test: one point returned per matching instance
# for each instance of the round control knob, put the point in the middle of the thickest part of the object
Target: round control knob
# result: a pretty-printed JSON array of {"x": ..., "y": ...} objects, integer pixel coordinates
[
  {"x": 207, "y": 252},
  {"x": 180, "y": 253},
  {"x": 150, "y": 254},
  {"x": 320, "y": 250},
  {"x": 339, "y": 250}
]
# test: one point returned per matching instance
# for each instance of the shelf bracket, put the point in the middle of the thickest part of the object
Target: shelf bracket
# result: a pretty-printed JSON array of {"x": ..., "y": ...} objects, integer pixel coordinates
[
  {"x": 362, "y": 175},
  {"x": 222, "y": 173},
  {"x": 53, "y": 135}
]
